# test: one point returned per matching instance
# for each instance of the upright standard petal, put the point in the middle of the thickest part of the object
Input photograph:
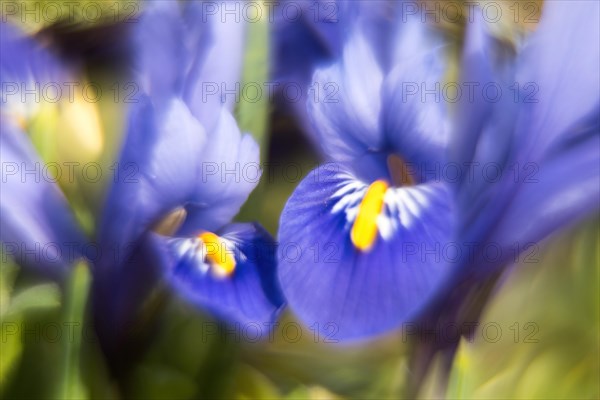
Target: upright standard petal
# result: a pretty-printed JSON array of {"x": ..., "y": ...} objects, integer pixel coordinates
[
  {"x": 301, "y": 43},
  {"x": 557, "y": 192},
  {"x": 314, "y": 35},
  {"x": 187, "y": 51},
  {"x": 482, "y": 135},
  {"x": 558, "y": 132},
  {"x": 347, "y": 102},
  {"x": 166, "y": 157},
  {"x": 337, "y": 287},
  {"x": 159, "y": 167},
  {"x": 562, "y": 61},
  {"x": 215, "y": 72},
  {"x": 229, "y": 171},
  {"x": 415, "y": 112},
  {"x": 161, "y": 59},
  {"x": 545, "y": 160}
]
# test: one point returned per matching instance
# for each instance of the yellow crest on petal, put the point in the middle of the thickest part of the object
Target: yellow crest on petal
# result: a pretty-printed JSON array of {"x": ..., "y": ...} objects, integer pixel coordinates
[
  {"x": 364, "y": 230},
  {"x": 216, "y": 252}
]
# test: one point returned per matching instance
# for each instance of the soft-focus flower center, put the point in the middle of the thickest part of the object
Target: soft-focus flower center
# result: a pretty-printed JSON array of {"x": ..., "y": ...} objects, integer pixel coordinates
[
  {"x": 170, "y": 223},
  {"x": 399, "y": 171},
  {"x": 364, "y": 230},
  {"x": 217, "y": 254}
]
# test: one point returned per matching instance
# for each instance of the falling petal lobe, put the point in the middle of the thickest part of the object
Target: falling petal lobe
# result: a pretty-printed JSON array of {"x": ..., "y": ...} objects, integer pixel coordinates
[
  {"x": 327, "y": 280},
  {"x": 230, "y": 274}
]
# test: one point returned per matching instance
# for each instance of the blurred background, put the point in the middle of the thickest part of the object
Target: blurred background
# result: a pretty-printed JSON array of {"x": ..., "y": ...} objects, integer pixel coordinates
[{"x": 538, "y": 337}]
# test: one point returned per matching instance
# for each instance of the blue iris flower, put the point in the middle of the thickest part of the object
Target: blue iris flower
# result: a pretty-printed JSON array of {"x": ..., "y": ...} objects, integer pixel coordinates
[
  {"x": 362, "y": 238},
  {"x": 350, "y": 218},
  {"x": 37, "y": 227},
  {"x": 546, "y": 140},
  {"x": 191, "y": 164}
]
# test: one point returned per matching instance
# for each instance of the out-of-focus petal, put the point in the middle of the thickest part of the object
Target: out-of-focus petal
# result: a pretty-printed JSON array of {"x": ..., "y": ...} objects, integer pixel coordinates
[
  {"x": 120, "y": 295},
  {"x": 28, "y": 59},
  {"x": 249, "y": 296},
  {"x": 415, "y": 114},
  {"x": 301, "y": 45},
  {"x": 215, "y": 71},
  {"x": 543, "y": 154},
  {"x": 37, "y": 227},
  {"x": 328, "y": 282},
  {"x": 160, "y": 56},
  {"x": 30, "y": 74},
  {"x": 558, "y": 191},
  {"x": 379, "y": 20},
  {"x": 229, "y": 171},
  {"x": 483, "y": 133},
  {"x": 159, "y": 169},
  {"x": 304, "y": 42},
  {"x": 562, "y": 62},
  {"x": 346, "y": 102},
  {"x": 558, "y": 132}
]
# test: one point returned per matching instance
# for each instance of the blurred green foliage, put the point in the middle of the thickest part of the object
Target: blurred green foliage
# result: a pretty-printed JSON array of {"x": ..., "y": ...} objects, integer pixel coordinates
[
  {"x": 35, "y": 15},
  {"x": 548, "y": 347},
  {"x": 549, "y": 316},
  {"x": 252, "y": 111}
]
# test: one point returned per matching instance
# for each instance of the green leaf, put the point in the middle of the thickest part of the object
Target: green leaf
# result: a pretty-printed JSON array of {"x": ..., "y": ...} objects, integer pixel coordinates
[
  {"x": 369, "y": 370},
  {"x": 458, "y": 382},
  {"x": 547, "y": 312},
  {"x": 8, "y": 274},
  {"x": 311, "y": 393},
  {"x": 252, "y": 111},
  {"x": 72, "y": 386},
  {"x": 156, "y": 381},
  {"x": 42, "y": 296},
  {"x": 10, "y": 344},
  {"x": 251, "y": 384},
  {"x": 11, "y": 350}
]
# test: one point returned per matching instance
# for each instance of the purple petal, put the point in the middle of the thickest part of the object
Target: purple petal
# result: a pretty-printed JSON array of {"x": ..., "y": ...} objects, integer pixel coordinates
[
  {"x": 557, "y": 192},
  {"x": 218, "y": 66},
  {"x": 250, "y": 296},
  {"x": 161, "y": 58},
  {"x": 347, "y": 101},
  {"x": 483, "y": 134},
  {"x": 546, "y": 152},
  {"x": 37, "y": 227},
  {"x": 415, "y": 119},
  {"x": 334, "y": 287},
  {"x": 562, "y": 61},
  {"x": 159, "y": 169},
  {"x": 229, "y": 171}
]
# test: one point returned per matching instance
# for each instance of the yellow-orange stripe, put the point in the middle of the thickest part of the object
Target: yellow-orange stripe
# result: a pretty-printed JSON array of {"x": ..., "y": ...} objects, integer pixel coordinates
[
  {"x": 217, "y": 253},
  {"x": 364, "y": 230}
]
